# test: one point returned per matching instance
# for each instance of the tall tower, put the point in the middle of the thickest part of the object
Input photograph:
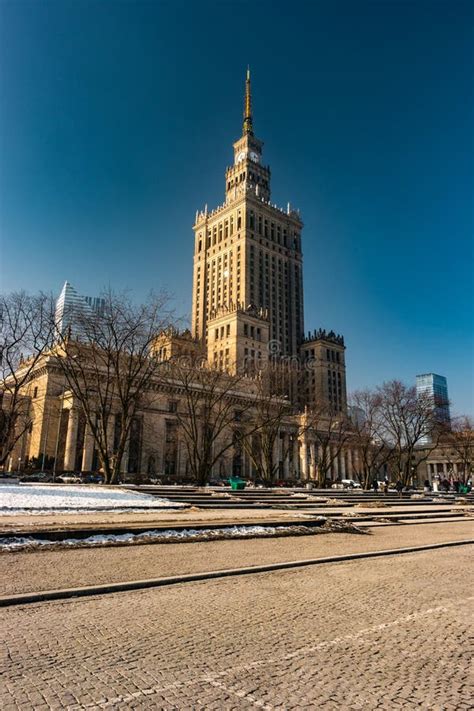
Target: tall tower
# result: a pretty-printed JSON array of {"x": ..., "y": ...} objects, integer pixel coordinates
[{"x": 247, "y": 259}]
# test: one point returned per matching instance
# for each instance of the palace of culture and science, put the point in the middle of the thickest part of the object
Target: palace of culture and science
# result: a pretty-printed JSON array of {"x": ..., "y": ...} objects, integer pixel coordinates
[
  {"x": 248, "y": 279},
  {"x": 247, "y": 309}
]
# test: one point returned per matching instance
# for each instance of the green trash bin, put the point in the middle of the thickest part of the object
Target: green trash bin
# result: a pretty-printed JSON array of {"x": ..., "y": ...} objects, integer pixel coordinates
[{"x": 236, "y": 483}]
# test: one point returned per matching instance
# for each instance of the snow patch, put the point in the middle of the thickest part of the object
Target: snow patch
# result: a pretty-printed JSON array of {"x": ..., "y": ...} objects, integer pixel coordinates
[
  {"x": 36, "y": 499},
  {"x": 157, "y": 536}
]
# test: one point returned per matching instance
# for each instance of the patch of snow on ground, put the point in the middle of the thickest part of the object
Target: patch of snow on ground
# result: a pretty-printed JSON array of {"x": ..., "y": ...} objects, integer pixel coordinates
[
  {"x": 157, "y": 536},
  {"x": 38, "y": 498}
]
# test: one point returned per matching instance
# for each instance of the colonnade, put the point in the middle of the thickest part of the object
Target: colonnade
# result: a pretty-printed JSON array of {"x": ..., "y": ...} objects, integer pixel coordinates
[{"x": 87, "y": 454}]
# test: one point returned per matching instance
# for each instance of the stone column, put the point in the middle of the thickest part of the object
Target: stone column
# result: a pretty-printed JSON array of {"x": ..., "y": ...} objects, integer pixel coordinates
[
  {"x": 349, "y": 464},
  {"x": 312, "y": 461},
  {"x": 286, "y": 455},
  {"x": 304, "y": 460},
  {"x": 335, "y": 465},
  {"x": 276, "y": 456},
  {"x": 88, "y": 451},
  {"x": 343, "y": 465},
  {"x": 71, "y": 441},
  {"x": 355, "y": 463}
]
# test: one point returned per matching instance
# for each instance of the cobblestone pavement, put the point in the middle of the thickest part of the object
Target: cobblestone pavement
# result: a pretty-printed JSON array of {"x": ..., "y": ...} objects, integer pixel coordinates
[
  {"x": 46, "y": 569},
  {"x": 382, "y": 634}
]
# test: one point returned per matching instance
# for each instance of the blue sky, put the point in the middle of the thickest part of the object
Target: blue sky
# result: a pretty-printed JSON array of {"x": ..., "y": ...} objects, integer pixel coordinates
[{"x": 117, "y": 121}]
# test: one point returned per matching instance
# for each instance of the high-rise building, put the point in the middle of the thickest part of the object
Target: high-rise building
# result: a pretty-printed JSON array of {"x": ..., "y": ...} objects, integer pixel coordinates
[
  {"x": 247, "y": 260},
  {"x": 69, "y": 307},
  {"x": 436, "y": 388},
  {"x": 248, "y": 279}
]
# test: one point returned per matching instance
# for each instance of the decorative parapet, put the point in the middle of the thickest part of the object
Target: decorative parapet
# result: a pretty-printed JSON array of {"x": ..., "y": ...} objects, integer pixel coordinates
[
  {"x": 238, "y": 192},
  {"x": 236, "y": 308},
  {"x": 173, "y": 332},
  {"x": 322, "y": 335}
]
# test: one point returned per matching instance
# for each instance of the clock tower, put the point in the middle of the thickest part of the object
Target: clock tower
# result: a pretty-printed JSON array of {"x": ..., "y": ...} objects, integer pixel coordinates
[
  {"x": 248, "y": 271},
  {"x": 248, "y": 170}
]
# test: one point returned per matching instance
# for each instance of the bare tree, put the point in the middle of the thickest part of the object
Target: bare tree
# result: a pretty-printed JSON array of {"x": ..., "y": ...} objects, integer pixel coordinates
[
  {"x": 367, "y": 438},
  {"x": 407, "y": 421},
  {"x": 330, "y": 431},
  {"x": 260, "y": 434},
  {"x": 209, "y": 412},
  {"x": 461, "y": 439},
  {"x": 110, "y": 369},
  {"x": 25, "y": 336}
]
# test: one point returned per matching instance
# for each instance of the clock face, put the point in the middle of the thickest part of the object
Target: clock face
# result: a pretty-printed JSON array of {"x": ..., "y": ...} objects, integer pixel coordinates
[
  {"x": 254, "y": 156},
  {"x": 240, "y": 156}
]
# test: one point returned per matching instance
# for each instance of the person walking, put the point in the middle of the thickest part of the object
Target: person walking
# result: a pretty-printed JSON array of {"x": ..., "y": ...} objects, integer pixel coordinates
[
  {"x": 375, "y": 485},
  {"x": 399, "y": 488}
]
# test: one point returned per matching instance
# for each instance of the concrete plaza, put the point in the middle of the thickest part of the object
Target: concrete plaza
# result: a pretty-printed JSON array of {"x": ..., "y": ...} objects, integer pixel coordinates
[{"x": 386, "y": 633}]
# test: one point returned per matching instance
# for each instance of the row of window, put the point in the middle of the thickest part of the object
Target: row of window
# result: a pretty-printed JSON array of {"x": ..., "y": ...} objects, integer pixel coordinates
[
  {"x": 252, "y": 331},
  {"x": 220, "y": 231},
  {"x": 272, "y": 231},
  {"x": 223, "y": 331},
  {"x": 255, "y": 222},
  {"x": 334, "y": 356}
]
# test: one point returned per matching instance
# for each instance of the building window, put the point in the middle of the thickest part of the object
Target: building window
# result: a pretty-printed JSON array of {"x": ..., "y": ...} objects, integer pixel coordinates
[
  {"x": 35, "y": 392},
  {"x": 172, "y": 406}
]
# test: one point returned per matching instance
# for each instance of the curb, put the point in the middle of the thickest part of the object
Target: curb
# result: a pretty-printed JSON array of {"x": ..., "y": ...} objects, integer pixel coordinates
[{"x": 47, "y": 595}]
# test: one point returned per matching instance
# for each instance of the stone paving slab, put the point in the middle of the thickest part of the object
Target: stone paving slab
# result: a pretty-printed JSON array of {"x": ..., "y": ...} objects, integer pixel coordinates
[
  {"x": 381, "y": 634},
  {"x": 53, "y": 569}
]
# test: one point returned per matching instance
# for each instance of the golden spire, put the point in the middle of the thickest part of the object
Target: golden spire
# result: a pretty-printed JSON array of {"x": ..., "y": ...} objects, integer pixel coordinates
[{"x": 247, "y": 128}]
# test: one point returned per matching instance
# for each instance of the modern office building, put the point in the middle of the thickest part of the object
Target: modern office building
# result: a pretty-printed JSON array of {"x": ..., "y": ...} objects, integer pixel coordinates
[
  {"x": 69, "y": 307},
  {"x": 436, "y": 388}
]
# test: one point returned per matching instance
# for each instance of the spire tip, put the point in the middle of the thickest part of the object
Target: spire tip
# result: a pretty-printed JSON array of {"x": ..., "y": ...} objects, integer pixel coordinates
[{"x": 247, "y": 127}]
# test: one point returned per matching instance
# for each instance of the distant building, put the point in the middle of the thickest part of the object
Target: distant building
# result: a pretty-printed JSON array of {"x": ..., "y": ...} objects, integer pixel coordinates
[
  {"x": 357, "y": 416},
  {"x": 69, "y": 307},
  {"x": 435, "y": 387}
]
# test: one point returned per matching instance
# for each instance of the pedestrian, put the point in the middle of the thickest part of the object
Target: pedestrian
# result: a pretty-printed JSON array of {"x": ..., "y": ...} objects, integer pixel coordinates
[
  {"x": 426, "y": 486},
  {"x": 385, "y": 486},
  {"x": 399, "y": 488},
  {"x": 375, "y": 485}
]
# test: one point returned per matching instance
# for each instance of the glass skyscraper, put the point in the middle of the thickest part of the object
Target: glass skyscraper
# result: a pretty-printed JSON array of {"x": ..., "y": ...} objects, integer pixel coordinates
[
  {"x": 69, "y": 307},
  {"x": 435, "y": 387}
]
